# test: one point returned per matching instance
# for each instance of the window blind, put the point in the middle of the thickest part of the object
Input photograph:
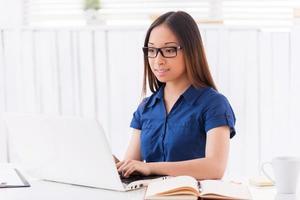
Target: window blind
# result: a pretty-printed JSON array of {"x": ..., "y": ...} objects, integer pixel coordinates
[
  {"x": 53, "y": 12},
  {"x": 259, "y": 12},
  {"x": 124, "y": 12}
]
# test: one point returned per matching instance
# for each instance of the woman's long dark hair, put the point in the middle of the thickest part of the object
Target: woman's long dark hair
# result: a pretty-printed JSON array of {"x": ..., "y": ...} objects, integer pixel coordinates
[{"x": 186, "y": 31}]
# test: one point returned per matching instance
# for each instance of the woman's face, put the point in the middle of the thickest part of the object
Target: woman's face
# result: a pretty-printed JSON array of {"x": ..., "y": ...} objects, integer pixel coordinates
[{"x": 166, "y": 69}]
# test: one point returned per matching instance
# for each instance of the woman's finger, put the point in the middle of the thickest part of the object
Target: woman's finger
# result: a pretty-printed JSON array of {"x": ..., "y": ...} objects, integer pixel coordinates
[
  {"x": 130, "y": 170},
  {"x": 124, "y": 167},
  {"x": 119, "y": 164},
  {"x": 127, "y": 170}
]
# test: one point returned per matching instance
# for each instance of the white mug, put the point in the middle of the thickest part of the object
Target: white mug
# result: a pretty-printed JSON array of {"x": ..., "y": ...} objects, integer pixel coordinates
[{"x": 286, "y": 170}]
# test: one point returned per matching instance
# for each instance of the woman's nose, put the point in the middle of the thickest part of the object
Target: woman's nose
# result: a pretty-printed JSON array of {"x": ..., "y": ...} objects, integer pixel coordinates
[{"x": 159, "y": 59}]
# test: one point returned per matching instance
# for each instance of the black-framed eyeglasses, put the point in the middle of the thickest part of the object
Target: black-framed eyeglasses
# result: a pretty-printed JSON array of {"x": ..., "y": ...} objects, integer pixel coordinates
[{"x": 167, "y": 52}]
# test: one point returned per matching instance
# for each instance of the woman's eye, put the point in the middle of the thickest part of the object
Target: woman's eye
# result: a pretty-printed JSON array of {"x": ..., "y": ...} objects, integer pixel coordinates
[
  {"x": 151, "y": 50},
  {"x": 170, "y": 50}
]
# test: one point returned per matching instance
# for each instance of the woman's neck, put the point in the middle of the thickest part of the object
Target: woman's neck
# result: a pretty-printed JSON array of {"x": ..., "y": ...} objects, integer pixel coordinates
[
  {"x": 172, "y": 88},
  {"x": 172, "y": 91}
]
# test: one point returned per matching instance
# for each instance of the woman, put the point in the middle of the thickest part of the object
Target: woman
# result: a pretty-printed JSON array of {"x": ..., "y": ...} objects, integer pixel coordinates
[{"x": 184, "y": 127}]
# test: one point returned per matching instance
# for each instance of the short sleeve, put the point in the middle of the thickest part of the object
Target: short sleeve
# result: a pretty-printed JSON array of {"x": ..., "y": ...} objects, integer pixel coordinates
[
  {"x": 219, "y": 113},
  {"x": 136, "y": 122}
]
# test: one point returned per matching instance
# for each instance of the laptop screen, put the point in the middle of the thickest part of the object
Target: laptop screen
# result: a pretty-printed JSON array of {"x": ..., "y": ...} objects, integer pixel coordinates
[{"x": 64, "y": 149}]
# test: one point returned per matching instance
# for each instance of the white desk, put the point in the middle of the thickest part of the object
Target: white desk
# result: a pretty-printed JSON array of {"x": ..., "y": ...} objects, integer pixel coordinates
[
  {"x": 45, "y": 190},
  {"x": 50, "y": 190},
  {"x": 268, "y": 193}
]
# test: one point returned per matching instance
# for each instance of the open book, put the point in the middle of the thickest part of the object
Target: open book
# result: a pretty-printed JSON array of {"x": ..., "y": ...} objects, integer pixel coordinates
[{"x": 186, "y": 187}]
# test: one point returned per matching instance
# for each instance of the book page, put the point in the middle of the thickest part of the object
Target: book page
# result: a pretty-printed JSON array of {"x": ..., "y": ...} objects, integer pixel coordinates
[
  {"x": 176, "y": 197},
  {"x": 223, "y": 188},
  {"x": 174, "y": 185}
]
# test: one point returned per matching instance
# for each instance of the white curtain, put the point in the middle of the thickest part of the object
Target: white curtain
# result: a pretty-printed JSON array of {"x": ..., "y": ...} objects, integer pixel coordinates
[{"x": 98, "y": 73}]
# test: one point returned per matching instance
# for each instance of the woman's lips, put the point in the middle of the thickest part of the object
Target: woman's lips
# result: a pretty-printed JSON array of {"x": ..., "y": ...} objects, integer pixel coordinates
[{"x": 161, "y": 72}]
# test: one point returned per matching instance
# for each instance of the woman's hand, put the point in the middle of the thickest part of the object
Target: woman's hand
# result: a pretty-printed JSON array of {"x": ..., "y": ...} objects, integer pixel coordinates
[{"x": 129, "y": 167}]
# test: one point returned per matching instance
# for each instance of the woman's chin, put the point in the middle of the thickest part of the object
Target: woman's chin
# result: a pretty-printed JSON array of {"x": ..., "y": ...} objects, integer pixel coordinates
[{"x": 162, "y": 80}]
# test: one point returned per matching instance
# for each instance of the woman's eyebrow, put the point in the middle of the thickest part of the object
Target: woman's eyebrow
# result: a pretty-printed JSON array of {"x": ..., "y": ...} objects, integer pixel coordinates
[
  {"x": 170, "y": 43},
  {"x": 165, "y": 43}
]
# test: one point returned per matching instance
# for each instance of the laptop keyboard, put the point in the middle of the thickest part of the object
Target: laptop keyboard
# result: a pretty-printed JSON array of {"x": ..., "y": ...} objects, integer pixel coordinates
[{"x": 137, "y": 178}]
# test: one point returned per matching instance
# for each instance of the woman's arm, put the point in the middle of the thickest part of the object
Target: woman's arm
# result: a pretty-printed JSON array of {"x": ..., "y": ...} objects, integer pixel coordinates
[
  {"x": 211, "y": 167},
  {"x": 134, "y": 148}
]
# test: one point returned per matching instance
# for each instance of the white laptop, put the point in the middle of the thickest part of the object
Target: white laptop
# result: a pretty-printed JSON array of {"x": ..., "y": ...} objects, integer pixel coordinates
[{"x": 71, "y": 150}]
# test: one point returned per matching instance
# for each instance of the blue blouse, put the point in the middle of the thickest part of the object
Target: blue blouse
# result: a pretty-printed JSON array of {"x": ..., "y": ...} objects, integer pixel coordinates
[{"x": 180, "y": 134}]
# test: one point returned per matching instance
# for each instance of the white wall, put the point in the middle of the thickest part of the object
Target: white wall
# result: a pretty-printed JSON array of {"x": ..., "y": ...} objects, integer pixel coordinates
[
  {"x": 11, "y": 13},
  {"x": 98, "y": 73}
]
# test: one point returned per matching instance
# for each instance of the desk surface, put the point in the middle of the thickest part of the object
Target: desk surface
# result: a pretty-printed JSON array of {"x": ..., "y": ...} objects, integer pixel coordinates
[{"x": 50, "y": 190}]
